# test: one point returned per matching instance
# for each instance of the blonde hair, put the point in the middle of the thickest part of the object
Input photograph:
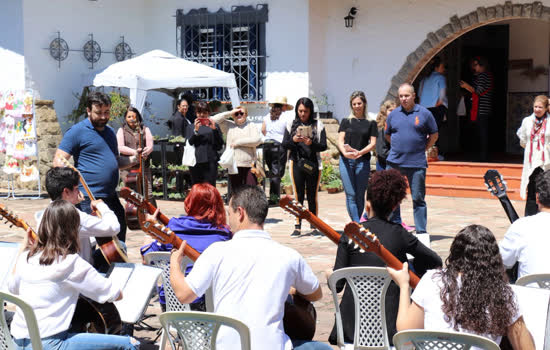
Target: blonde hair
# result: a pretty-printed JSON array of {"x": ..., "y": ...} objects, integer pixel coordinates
[
  {"x": 542, "y": 99},
  {"x": 363, "y": 98},
  {"x": 383, "y": 113},
  {"x": 244, "y": 109}
]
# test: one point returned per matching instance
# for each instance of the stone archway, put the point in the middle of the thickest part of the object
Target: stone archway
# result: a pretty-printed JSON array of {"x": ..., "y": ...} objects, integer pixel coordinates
[{"x": 435, "y": 41}]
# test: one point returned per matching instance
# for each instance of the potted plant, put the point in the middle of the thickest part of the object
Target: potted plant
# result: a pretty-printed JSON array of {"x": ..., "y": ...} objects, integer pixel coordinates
[
  {"x": 322, "y": 106},
  {"x": 328, "y": 174},
  {"x": 286, "y": 184},
  {"x": 334, "y": 186}
]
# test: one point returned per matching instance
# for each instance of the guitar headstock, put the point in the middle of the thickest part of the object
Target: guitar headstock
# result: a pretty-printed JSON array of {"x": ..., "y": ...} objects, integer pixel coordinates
[
  {"x": 158, "y": 231},
  {"x": 495, "y": 183},
  {"x": 12, "y": 218},
  {"x": 357, "y": 234},
  {"x": 67, "y": 164},
  {"x": 132, "y": 196},
  {"x": 293, "y": 207}
]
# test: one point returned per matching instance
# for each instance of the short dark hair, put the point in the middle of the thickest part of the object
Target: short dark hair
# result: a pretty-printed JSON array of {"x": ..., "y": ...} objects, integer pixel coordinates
[
  {"x": 436, "y": 62},
  {"x": 543, "y": 188},
  {"x": 98, "y": 98},
  {"x": 253, "y": 200},
  {"x": 59, "y": 178},
  {"x": 202, "y": 107}
]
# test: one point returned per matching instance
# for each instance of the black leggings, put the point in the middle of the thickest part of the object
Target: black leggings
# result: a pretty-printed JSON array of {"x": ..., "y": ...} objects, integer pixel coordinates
[
  {"x": 204, "y": 172},
  {"x": 305, "y": 184},
  {"x": 531, "y": 206}
]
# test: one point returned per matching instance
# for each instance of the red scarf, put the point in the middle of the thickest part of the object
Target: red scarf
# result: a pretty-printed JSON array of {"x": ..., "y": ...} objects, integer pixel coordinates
[{"x": 539, "y": 127}]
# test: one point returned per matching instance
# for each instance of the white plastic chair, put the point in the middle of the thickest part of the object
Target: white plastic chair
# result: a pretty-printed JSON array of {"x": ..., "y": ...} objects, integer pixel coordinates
[
  {"x": 198, "y": 330},
  {"x": 428, "y": 340},
  {"x": 542, "y": 279},
  {"x": 369, "y": 286},
  {"x": 6, "y": 341}
]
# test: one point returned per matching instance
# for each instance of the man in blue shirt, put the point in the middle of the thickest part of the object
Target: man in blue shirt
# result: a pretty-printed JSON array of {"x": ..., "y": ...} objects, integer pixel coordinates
[
  {"x": 411, "y": 129},
  {"x": 93, "y": 145}
]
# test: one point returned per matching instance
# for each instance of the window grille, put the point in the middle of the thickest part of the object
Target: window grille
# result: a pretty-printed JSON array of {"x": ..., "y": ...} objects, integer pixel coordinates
[{"x": 231, "y": 41}]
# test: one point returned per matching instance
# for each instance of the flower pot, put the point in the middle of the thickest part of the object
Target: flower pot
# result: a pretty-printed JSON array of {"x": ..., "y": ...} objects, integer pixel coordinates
[
  {"x": 288, "y": 190},
  {"x": 333, "y": 189}
]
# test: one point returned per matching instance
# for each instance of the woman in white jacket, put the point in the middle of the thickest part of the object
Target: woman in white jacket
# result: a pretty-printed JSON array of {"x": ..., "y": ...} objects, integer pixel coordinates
[
  {"x": 534, "y": 136},
  {"x": 49, "y": 275}
]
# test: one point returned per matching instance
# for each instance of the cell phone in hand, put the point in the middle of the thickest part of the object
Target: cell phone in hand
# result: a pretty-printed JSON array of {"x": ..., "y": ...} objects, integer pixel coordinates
[{"x": 204, "y": 121}]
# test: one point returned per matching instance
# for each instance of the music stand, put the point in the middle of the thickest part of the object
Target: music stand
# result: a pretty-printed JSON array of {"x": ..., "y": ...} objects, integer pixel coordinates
[
  {"x": 9, "y": 251},
  {"x": 136, "y": 282}
]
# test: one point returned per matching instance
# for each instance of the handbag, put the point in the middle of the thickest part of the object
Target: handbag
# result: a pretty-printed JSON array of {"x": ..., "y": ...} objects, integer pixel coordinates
[
  {"x": 227, "y": 160},
  {"x": 188, "y": 158},
  {"x": 307, "y": 166}
]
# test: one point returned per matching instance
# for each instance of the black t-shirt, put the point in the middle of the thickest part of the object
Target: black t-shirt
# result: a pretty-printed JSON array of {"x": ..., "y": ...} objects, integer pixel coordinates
[
  {"x": 399, "y": 242},
  {"x": 358, "y": 132}
]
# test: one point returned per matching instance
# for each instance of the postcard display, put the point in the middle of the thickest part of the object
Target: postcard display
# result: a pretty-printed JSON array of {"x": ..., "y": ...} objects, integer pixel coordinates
[{"x": 18, "y": 137}]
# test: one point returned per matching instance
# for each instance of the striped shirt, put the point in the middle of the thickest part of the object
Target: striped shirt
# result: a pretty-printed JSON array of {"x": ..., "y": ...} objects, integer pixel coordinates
[{"x": 482, "y": 83}]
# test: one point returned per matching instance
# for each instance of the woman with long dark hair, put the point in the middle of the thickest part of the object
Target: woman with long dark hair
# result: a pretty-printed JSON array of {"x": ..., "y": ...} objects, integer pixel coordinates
[
  {"x": 204, "y": 224},
  {"x": 128, "y": 139},
  {"x": 471, "y": 294},
  {"x": 50, "y": 275},
  {"x": 356, "y": 139},
  {"x": 305, "y": 138}
]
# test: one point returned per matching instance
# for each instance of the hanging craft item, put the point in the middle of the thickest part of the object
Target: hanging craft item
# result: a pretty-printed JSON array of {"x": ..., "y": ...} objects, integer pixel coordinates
[
  {"x": 11, "y": 165},
  {"x": 29, "y": 173}
]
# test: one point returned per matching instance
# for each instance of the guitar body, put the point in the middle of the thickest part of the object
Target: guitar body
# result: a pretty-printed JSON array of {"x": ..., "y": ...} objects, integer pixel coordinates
[
  {"x": 112, "y": 250},
  {"x": 93, "y": 317}
]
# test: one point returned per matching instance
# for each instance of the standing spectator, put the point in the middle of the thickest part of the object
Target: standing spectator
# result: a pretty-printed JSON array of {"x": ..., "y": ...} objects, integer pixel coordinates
[
  {"x": 535, "y": 138},
  {"x": 305, "y": 138},
  {"x": 273, "y": 128},
  {"x": 356, "y": 139},
  {"x": 128, "y": 140},
  {"x": 482, "y": 100},
  {"x": 382, "y": 145},
  {"x": 181, "y": 117},
  {"x": 243, "y": 136},
  {"x": 207, "y": 139},
  {"x": 433, "y": 93},
  {"x": 411, "y": 130}
]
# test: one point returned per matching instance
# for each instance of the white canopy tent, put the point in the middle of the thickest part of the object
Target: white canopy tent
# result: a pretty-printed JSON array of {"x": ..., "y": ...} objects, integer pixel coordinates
[{"x": 160, "y": 71}]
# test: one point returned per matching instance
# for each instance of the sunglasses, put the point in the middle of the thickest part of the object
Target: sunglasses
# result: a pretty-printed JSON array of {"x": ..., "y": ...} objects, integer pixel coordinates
[{"x": 239, "y": 114}]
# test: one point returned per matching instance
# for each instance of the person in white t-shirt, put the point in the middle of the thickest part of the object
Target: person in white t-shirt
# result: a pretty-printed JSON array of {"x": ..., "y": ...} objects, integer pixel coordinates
[
  {"x": 273, "y": 129},
  {"x": 527, "y": 240},
  {"x": 471, "y": 294},
  {"x": 49, "y": 275},
  {"x": 251, "y": 276},
  {"x": 62, "y": 183}
]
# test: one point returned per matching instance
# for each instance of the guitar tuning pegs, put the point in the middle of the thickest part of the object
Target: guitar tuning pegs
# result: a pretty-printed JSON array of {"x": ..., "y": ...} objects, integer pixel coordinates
[
  {"x": 361, "y": 250},
  {"x": 350, "y": 241}
]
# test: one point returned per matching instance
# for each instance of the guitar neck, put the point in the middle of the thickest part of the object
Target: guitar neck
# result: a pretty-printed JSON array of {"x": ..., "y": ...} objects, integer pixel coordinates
[
  {"x": 323, "y": 227},
  {"x": 390, "y": 260},
  {"x": 508, "y": 208},
  {"x": 151, "y": 209},
  {"x": 191, "y": 252}
]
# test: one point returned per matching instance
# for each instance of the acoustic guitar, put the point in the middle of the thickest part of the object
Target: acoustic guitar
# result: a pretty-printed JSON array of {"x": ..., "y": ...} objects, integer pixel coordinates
[
  {"x": 110, "y": 247},
  {"x": 299, "y": 317},
  {"x": 141, "y": 204},
  {"x": 90, "y": 316},
  {"x": 497, "y": 186},
  {"x": 368, "y": 242},
  {"x": 295, "y": 208}
]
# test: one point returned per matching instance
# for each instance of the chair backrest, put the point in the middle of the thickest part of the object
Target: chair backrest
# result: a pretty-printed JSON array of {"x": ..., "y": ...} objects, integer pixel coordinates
[
  {"x": 198, "y": 330},
  {"x": 6, "y": 341},
  {"x": 369, "y": 286},
  {"x": 428, "y": 340},
  {"x": 162, "y": 260},
  {"x": 541, "y": 279}
]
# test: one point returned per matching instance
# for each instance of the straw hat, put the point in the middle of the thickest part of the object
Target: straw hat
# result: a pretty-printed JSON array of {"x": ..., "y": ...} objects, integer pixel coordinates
[{"x": 281, "y": 100}]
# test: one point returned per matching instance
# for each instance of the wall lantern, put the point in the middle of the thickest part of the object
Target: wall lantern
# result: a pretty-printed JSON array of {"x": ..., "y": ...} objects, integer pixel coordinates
[{"x": 350, "y": 17}]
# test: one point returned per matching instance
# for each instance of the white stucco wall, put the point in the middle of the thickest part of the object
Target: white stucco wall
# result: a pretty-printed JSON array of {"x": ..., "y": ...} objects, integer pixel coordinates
[
  {"x": 107, "y": 20},
  {"x": 12, "y": 60},
  {"x": 367, "y": 56},
  {"x": 529, "y": 39}
]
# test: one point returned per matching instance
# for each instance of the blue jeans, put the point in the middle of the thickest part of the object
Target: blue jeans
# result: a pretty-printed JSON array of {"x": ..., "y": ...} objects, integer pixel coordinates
[
  {"x": 82, "y": 341},
  {"x": 310, "y": 345},
  {"x": 417, "y": 184},
  {"x": 355, "y": 177}
]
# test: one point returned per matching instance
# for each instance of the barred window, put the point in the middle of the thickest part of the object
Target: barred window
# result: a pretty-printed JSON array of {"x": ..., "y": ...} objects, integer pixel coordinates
[{"x": 230, "y": 41}]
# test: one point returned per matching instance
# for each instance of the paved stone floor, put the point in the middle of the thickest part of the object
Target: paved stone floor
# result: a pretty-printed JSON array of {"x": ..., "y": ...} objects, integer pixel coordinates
[{"x": 446, "y": 216}]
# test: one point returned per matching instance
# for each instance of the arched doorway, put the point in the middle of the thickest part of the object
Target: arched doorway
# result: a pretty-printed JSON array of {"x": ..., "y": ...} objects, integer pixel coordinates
[{"x": 449, "y": 39}]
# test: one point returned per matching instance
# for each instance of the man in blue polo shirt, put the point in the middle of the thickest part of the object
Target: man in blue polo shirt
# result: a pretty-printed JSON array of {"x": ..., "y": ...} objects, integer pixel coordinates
[
  {"x": 93, "y": 145},
  {"x": 411, "y": 129}
]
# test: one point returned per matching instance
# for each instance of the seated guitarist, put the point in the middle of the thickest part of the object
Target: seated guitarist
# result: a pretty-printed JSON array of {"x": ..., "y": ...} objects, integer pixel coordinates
[
  {"x": 203, "y": 225},
  {"x": 386, "y": 190},
  {"x": 250, "y": 275},
  {"x": 62, "y": 183}
]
